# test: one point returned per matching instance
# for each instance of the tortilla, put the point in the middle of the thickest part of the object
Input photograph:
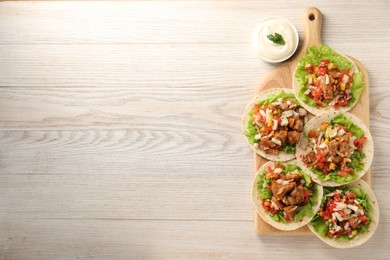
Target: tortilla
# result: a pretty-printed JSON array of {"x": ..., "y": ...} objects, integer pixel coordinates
[
  {"x": 361, "y": 238},
  {"x": 318, "y": 110},
  {"x": 267, "y": 218},
  {"x": 303, "y": 149},
  {"x": 282, "y": 156}
]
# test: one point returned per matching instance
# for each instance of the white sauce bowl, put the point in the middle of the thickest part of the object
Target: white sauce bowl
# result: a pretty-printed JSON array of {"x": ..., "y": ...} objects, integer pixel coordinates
[{"x": 270, "y": 51}]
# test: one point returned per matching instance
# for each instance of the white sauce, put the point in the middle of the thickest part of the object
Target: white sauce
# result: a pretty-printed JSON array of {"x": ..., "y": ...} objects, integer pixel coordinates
[{"x": 269, "y": 50}]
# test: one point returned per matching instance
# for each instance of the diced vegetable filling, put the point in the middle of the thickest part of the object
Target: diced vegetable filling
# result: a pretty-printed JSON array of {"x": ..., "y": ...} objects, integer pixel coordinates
[
  {"x": 327, "y": 85},
  {"x": 278, "y": 125},
  {"x": 343, "y": 214},
  {"x": 286, "y": 192},
  {"x": 334, "y": 150}
]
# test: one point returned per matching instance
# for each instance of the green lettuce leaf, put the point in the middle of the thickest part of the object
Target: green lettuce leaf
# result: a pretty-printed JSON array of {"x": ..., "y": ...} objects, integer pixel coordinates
[
  {"x": 357, "y": 161},
  {"x": 251, "y": 130},
  {"x": 289, "y": 148},
  {"x": 333, "y": 176},
  {"x": 352, "y": 127},
  {"x": 358, "y": 85},
  {"x": 279, "y": 217},
  {"x": 319, "y": 225},
  {"x": 274, "y": 97}
]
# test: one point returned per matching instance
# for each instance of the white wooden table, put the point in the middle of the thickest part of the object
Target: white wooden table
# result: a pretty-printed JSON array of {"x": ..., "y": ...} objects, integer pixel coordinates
[{"x": 120, "y": 132}]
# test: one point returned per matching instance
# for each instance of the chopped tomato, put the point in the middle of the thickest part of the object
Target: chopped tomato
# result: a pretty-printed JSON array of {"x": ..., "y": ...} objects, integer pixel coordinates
[
  {"x": 322, "y": 71},
  {"x": 324, "y": 62},
  {"x": 320, "y": 156},
  {"x": 306, "y": 193},
  {"x": 267, "y": 130},
  {"x": 350, "y": 195},
  {"x": 364, "y": 219},
  {"x": 309, "y": 68},
  {"x": 268, "y": 208},
  {"x": 360, "y": 142},
  {"x": 312, "y": 133},
  {"x": 259, "y": 118},
  {"x": 337, "y": 196},
  {"x": 278, "y": 119},
  {"x": 270, "y": 169},
  {"x": 345, "y": 171},
  {"x": 288, "y": 218},
  {"x": 341, "y": 102}
]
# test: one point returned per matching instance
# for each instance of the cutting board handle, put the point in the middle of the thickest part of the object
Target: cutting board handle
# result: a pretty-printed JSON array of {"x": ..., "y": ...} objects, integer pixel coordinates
[{"x": 312, "y": 22}]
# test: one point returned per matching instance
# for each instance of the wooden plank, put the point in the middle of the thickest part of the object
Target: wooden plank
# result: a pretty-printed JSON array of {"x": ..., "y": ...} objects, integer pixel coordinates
[
  {"x": 43, "y": 238},
  {"x": 145, "y": 22}
]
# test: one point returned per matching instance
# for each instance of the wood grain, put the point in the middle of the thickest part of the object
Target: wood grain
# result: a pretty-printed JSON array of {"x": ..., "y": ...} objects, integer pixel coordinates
[{"x": 120, "y": 127}]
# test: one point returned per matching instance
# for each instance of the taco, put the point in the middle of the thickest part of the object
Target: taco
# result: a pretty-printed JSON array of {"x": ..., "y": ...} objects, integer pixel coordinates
[
  {"x": 348, "y": 215},
  {"x": 273, "y": 122},
  {"x": 335, "y": 149},
  {"x": 325, "y": 80},
  {"x": 284, "y": 196}
]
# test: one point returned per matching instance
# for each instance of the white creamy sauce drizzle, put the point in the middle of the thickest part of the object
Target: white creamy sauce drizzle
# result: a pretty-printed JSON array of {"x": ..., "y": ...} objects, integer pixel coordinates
[{"x": 270, "y": 50}]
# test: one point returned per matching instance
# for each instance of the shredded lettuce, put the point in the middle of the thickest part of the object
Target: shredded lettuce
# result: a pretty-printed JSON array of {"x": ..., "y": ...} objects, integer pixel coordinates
[
  {"x": 313, "y": 56},
  {"x": 279, "y": 217},
  {"x": 319, "y": 225},
  {"x": 289, "y": 148},
  {"x": 274, "y": 97},
  {"x": 357, "y": 161},
  {"x": 333, "y": 176},
  {"x": 352, "y": 127},
  {"x": 251, "y": 130},
  {"x": 357, "y": 87}
]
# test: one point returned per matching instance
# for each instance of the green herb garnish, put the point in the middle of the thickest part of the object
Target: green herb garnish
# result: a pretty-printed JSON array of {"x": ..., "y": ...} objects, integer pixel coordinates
[{"x": 277, "y": 38}]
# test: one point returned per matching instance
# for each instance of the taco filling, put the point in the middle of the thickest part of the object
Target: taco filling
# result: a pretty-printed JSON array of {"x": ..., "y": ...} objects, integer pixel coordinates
[
  {"x": 286, "y": 192},
  {"x": 343, "y": 214},
  {"x": 328, "y": 79},
  {"x": 336, "y": 150},
  {"x": 275, "y": 124}
]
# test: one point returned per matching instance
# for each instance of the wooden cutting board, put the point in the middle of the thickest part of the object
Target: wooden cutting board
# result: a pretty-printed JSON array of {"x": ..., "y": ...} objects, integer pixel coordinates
[{"x": 282, "y": 78}]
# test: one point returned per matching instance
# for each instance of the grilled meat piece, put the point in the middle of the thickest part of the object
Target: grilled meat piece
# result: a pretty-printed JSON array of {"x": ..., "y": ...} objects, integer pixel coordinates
[
  {"x": 278, "y": 203},
  {"x": 333, "y": 147},
  {"x": 327, "y": 91},
  {"x": 354, "y": 222},
  {"x": 293, "y": 176},
  {"x": 297, "y": 194},
  {"x": 266, "y": 144},
  {"x": 293, "y": 137},
  {"x": 298, "y": 125},
  {"x": 291, "y": 121},
  {"x": 337, "y": 159},
  {"x": 343, "y": 148},
  {"x": 273, "y": 151},
  {"x": 279, "y": 190},
  {"x": 290, "y": 210},
  {"x": 281, "y": 135}
]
